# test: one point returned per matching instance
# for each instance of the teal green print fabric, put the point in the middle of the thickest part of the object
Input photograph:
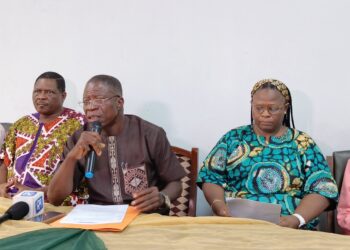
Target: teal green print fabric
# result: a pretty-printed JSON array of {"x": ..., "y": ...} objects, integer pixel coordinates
[{"x": 280, "y": 171}]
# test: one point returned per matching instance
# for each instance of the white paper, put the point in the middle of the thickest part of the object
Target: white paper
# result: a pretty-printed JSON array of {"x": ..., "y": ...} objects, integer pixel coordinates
[
  {"x": 95, "y": 214},
  {"x": 245, "y": 208}
]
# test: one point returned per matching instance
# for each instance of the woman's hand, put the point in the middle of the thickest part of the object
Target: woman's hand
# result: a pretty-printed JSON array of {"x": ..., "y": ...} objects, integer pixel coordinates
[
  {"x": 289, "y": 221},
  {"x": 220, "y": 208}
]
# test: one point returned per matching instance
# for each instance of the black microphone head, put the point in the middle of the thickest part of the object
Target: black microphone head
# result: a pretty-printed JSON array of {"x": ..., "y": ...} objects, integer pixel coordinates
[
  {"x": 95, "y": 126},
  {"x": 18, "y": 210}
]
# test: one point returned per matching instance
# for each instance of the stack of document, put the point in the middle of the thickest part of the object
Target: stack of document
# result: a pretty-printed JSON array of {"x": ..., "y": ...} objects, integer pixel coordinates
[
  {"x": 98, "y": 217},
  {"x": 244, "y": 208}
]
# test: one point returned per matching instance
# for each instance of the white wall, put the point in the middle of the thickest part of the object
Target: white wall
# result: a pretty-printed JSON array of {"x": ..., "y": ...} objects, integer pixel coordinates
[{"x": 186, "y": 65}]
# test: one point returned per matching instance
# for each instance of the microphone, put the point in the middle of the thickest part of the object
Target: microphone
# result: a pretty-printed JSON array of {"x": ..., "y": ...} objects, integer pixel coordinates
[
  {"x": 89, "y": 168},
  {"x": 34, "y": 201},
  {"x": 16, "y": 212}
]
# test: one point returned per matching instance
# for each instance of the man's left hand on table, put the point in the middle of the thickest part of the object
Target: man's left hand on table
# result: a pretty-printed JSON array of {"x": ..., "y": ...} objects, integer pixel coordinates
[{"x": 147, "y": 200}]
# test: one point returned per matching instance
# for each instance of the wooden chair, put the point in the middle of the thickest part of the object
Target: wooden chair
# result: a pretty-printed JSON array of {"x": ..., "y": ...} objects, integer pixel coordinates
[{"x": 185, "y": 205}]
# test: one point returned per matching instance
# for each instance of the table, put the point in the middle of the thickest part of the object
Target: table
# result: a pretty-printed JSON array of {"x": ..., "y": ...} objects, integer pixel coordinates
[{"x": 153, "y": 231}]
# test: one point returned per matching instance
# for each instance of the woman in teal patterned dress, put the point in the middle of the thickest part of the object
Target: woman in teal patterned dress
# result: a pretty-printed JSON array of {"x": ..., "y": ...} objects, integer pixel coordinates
[{"x": 270, "y": 161}]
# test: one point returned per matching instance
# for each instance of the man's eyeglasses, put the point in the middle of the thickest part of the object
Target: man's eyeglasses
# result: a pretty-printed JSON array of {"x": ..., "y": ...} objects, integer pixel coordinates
[
  {"x": 272, "y": 110},
  {"x": 96, "y": 102}
]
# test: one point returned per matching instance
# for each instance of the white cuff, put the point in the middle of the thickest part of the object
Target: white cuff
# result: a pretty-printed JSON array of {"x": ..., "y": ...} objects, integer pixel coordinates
[{"x": 301, "y": 219}]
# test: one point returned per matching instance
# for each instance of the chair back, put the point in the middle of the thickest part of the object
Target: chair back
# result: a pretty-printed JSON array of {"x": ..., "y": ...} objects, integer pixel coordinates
[
  {"x": 185, "y": 205},
  {"x": 337, "y": 164},
  {"x": 6, "y": 125},
  {"x": 340, "y": 159}
]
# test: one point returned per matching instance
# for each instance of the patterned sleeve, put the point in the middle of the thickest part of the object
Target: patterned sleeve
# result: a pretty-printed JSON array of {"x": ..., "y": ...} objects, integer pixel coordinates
[
  {"x": 318, "y": 178},
  {"x": 213, "y": 169}
]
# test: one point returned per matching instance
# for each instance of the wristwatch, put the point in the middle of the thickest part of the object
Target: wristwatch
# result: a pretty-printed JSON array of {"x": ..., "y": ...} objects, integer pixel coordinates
[{"x": 165, "y": 200}]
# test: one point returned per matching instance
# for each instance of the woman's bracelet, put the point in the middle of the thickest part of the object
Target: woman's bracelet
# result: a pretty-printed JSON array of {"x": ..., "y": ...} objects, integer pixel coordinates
[{"x": 301, "y": 219}]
